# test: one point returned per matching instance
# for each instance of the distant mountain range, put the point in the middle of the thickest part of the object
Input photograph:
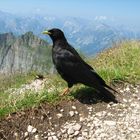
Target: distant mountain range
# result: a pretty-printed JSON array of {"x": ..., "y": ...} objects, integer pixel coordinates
[{"x": 89, "y": 36}]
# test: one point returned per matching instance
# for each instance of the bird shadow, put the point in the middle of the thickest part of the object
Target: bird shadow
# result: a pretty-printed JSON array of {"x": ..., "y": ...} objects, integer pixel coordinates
[{"x": 87, "y": 95}]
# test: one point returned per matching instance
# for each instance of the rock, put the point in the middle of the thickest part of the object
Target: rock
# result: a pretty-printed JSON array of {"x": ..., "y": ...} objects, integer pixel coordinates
[
  {"x": 52, "y": 133},
  {"x": 103, "y": 135},
  {"x": 76, "y": 112},
  {"x": 49, "y": 134},
  {"x": 50, "y": 138},
  {"x": 81, "y": 119},
  {"x": 71, "y": 113},
  {"x": 111, "y": 123},
  {"x": 76, "y": 133},
  {"x": 65, "y": 136},
  {"x": 26, "y": 134},
  {"x": 70, "y": 131},
  {"x": 85, "y": 134},
  {"x": 62, "y": 110},
  {"x": 31, "y": 129},
  {"x": 127, "y": 89},
  {"x": 34, "y": 130},
  {"x": 99, "y": 114},
  {"x": 59, "y": 134},
  {"x": 89, "y": 112},
  {"x": 16, "y": 134},
  {"x": 80, "y": 138},
  {"x": 46, "y": 137},
  {"x": 54, "y": 138},
  {"x": 74, "y": 107},
  {"x": 135, "y": 95},
  {"x": 89, "y": 107},
  {"x": 125, "y": 100},
  {"x": 59, "y": 115},
  {"x": 131, "y": 129},
  {"x": 133, "y": 105},
  {"x": 50, "y": 118},
  {"x": 37, "y": 137},
  {"x": 63, "y": 131},
  {"x": 77, "y": 127},
  {"x": 136, "y": 91},
  {"x": 121, "y": 91},
  {"x": 108, "y": 106},
  {"x": 16, "y": 47}
]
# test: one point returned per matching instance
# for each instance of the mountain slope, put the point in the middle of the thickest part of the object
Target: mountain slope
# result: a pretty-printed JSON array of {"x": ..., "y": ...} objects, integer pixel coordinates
[{"x": 23, "y": 53}]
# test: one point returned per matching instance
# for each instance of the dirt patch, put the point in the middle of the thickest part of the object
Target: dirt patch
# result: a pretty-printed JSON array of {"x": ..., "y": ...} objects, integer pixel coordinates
[{"x": 79, "y": 119}]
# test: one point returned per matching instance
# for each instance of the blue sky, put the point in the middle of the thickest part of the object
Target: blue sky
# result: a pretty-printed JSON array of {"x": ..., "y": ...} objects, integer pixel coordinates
[{"x": 124, "y": 10}]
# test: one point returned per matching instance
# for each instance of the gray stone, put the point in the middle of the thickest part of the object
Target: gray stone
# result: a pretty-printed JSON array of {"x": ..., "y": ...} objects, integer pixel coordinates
[
  {"x": 50, "y": 138},
  {"x": 110, "y": 123},
  {"x": 74, "y": 107},
  {"x": 54, "y": 138},
  {"x": 31, "y": 129},
  {"x": 77, "y": 127},
  {"x": 71, "y": 113},
  {"x": 70, "y": 131},
  {"x": 80, "y": 138},
  {"x": 76, "y": 133},
  {"x": 37, "y": 137}
]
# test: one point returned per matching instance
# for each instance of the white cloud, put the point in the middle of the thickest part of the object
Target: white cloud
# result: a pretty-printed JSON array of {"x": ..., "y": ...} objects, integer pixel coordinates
[{"x": 100, "y": 18}]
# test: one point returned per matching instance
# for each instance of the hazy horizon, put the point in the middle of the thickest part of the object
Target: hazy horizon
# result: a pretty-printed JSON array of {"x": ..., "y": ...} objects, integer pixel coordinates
[{"x": 125, "y": 12}]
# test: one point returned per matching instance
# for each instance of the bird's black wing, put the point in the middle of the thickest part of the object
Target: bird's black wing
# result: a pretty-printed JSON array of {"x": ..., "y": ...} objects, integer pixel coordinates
[
  {"x": 94, "y": 74},
  {"x": 72, "y": 66},
  {"x": 78, "y": 58},
  {"x": 74, "y": 70},
  {"x": 74, "y": 52}
]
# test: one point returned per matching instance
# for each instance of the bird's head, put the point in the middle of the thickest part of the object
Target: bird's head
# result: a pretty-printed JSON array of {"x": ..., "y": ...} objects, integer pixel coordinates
[{"x": 55, "y": 34}]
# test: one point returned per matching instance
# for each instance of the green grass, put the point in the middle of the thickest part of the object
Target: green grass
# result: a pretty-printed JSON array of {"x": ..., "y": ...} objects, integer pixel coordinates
[
  {"x": 12, "y": 102},
  {"x": 118, "y": 63},
  {"x": 14, "y": 81}
]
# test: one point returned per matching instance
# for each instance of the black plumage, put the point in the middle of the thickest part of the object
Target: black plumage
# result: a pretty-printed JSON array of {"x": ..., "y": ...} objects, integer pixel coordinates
[{"x": 72, "y": 68}]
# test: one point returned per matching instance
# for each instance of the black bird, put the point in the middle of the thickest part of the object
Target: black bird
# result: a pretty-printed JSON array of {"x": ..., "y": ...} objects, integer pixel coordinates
[{"x": 72, "y": 68}]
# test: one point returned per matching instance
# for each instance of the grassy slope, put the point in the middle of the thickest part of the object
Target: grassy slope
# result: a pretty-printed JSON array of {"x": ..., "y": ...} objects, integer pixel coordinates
[{"x": 119, "y": 63}]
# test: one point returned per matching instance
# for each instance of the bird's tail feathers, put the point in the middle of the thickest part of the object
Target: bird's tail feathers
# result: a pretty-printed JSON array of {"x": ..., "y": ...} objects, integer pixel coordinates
[
  {"x": 110, "y": 88},
  {"x": 108, "y": 95}
]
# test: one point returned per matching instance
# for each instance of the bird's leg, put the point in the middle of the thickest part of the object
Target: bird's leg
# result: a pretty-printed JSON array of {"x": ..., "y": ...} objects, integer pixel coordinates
[{"x": 66, "y": 91}]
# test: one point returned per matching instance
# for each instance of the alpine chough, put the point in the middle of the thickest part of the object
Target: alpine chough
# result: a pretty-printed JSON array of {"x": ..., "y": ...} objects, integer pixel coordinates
[{"x": 72, "y": 68}]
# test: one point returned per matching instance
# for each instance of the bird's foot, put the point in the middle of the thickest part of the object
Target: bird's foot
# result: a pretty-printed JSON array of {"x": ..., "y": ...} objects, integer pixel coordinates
[{"x": 66, "y": 91}]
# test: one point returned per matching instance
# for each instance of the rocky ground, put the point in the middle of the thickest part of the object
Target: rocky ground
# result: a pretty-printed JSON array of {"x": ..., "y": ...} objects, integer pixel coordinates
[{"x": 85, "y": 118}]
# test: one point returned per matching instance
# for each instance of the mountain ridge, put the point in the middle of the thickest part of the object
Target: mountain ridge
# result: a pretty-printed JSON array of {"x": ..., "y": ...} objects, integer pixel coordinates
[
  {"x": 89, "y": 36},
  {"x": 24, "y": 53}
]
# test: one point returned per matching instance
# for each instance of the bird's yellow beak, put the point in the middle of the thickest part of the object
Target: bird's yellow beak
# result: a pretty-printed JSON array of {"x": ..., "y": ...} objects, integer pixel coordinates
[{"x": 46, "y": 32}]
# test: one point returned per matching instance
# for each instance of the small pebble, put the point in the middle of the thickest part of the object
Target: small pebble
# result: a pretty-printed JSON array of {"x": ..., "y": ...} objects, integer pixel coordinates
[
  {"x": 62, "y": 110},
  {"x": 76, "y": 133},
  {"x": 37, "y": 137},
  {"x": 70, "y": 131},
  {"x": 110, "y": 122},
  {"x": 26, "y": 134},
  {"x": 74, "y": 107},
  {"x": 59, "y": 115},
  {"x": 77, "y": 127},
  {"x": 71, "y": 113},
  {"x": 31, "y": 129},
  {"x": 125, "y": 100},
  {"x": 50, "y": 138}
]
